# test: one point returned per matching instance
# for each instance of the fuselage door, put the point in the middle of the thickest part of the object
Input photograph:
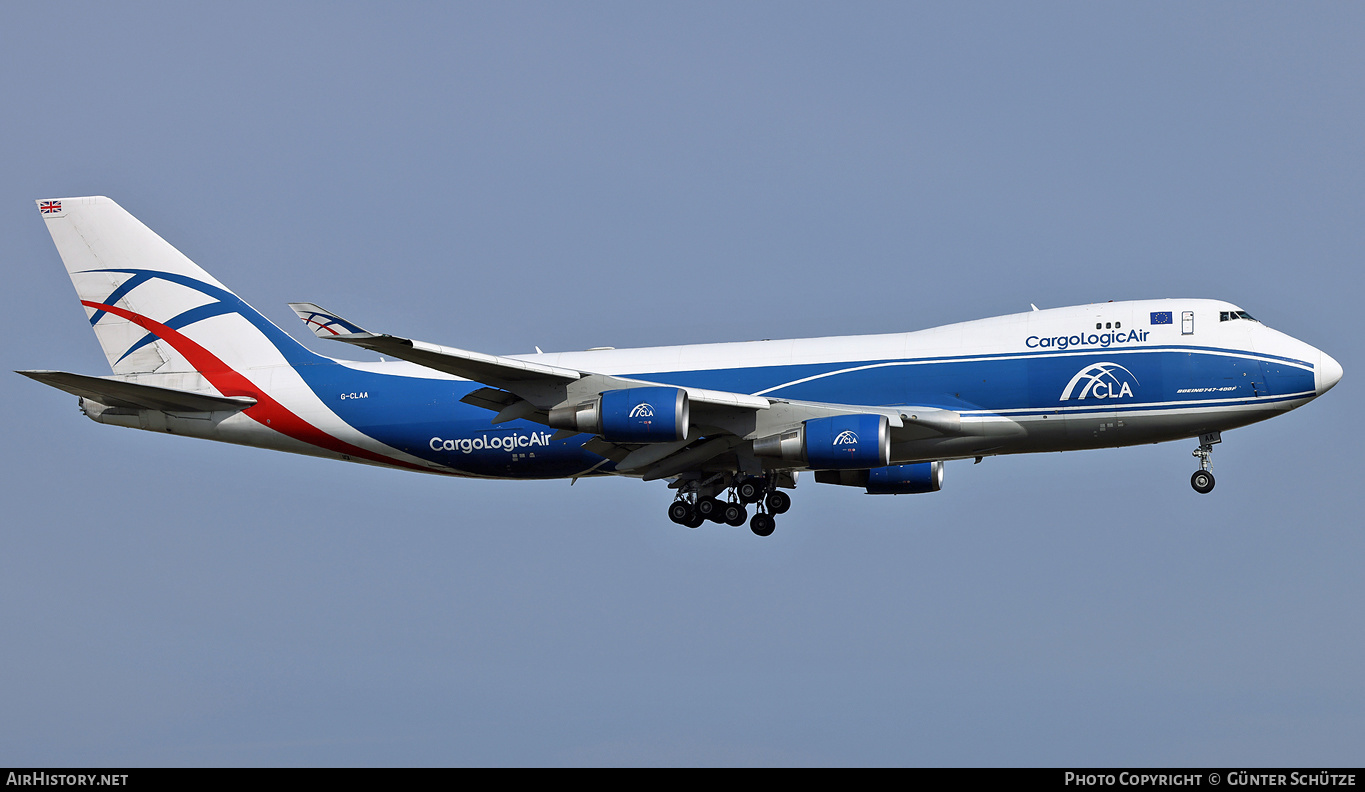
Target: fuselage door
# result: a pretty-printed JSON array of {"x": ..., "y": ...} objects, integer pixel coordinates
[{"x": 1187, "y": 323}]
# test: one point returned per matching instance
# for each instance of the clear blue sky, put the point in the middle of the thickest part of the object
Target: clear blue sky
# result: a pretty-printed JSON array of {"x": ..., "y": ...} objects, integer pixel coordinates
[{"x": 499, "y": 176}]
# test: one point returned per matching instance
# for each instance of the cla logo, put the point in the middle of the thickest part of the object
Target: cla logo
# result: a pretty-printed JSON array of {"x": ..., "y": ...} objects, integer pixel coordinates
[
  {"x": 1102, "y": 381},
  {"x": 846, "y": 438},
  {"x": 642, "y": 410}
]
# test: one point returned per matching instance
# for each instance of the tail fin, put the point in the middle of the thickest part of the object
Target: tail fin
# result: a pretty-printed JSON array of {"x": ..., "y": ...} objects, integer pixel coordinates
[{"x": 152, "y": 309}]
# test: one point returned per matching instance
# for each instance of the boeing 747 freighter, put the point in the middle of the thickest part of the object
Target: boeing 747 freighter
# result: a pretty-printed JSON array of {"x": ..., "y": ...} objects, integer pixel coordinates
[{"x": 728, "y": 426}]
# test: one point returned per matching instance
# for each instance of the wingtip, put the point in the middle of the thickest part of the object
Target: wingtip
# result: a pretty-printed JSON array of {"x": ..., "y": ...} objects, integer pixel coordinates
[{"x": 324, "y": 323}]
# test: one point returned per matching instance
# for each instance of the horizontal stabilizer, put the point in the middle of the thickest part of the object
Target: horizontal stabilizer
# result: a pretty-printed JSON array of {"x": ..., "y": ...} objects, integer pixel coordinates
[{"x": 117, "y": 393}]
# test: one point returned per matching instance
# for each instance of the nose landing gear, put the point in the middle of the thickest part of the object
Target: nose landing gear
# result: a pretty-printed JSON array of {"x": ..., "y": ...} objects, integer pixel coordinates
[{"x": 1202, "y": 480}]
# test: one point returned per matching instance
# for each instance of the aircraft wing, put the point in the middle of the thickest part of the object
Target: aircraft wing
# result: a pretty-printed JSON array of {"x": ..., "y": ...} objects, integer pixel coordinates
[
  {"x": 721, "y": 421},
  {"x": 475, "y": 366},
  {"x": 534, "y": 382}
]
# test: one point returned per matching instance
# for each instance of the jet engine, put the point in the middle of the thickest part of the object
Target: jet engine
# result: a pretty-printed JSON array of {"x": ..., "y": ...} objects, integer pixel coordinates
[
  {"x": 629, "y": 415},
  {"x": 836, "y": 442},
  {"x": 890, "y": 480}
]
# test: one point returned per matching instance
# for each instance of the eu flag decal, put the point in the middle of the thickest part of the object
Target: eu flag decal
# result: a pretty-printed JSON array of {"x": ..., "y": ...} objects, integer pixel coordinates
[{"x": 1161, "y": 317}]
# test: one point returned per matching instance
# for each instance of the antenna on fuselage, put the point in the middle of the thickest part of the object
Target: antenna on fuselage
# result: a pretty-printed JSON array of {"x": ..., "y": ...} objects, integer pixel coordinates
[{"x": 1034, "y": 307}]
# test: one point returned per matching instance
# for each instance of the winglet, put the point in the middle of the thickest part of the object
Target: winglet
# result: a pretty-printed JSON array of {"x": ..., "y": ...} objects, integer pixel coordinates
[{"x": 323, "y": 323}]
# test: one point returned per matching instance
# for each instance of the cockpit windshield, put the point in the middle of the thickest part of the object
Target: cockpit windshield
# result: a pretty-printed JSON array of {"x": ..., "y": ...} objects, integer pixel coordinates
[{"x": 1227, "y": 316}]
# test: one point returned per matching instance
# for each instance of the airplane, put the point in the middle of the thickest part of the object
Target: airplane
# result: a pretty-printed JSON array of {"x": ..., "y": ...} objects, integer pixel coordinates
[{"x": 729, "y": 426}]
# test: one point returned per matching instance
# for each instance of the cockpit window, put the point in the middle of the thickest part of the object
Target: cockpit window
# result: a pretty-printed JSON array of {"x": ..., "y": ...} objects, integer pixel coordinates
[{"x": 1227, "y": 316}]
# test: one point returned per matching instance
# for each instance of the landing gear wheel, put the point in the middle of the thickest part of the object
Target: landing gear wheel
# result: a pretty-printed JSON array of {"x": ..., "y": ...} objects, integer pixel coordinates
[
  {"x": 1202, "y": 480},
  {"x": 777, "y": 502},
  {"x": 696, "y": 521},
  {"x": 762, "y": 524},
  {"x": 734, "y": 514},
  {"x": 751, "y": 490},
  {"x": 681, "y": 512},
  {"x": 707, "y": 508}
]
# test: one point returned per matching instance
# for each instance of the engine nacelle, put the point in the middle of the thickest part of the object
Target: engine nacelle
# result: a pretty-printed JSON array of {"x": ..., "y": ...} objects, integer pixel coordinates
[
  {"x": 836, "y": 442},
  {"x": 630, "y": 415},
  {"x": 890, "y": 480},
  {"x": 905, "y": 479}
]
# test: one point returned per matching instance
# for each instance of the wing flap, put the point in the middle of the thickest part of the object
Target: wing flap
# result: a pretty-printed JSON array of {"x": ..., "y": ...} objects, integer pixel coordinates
[
  {"x": 602, "y": 448},
  {"x": 493, "y": 399},
  {"x": 689, "y": 458}
]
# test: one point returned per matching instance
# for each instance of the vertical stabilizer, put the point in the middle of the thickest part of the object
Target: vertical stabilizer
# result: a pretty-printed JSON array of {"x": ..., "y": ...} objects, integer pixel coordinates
[{"x": 149, "y": 305}]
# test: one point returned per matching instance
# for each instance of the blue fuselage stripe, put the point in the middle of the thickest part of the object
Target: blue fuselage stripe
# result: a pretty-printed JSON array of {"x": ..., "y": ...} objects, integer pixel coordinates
[{"x": 408, "y": 413}]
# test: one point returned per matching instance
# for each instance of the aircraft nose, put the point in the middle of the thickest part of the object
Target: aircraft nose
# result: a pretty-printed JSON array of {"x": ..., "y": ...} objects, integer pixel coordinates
[{"x": 1328, "y": 372}]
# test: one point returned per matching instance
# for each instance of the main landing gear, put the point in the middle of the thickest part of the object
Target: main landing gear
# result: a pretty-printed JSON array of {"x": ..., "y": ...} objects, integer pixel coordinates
[
  {"x": 697, "y": 503},
  {"x": 1202, "y": 480},
  {"x": 692, "y": 511}
]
